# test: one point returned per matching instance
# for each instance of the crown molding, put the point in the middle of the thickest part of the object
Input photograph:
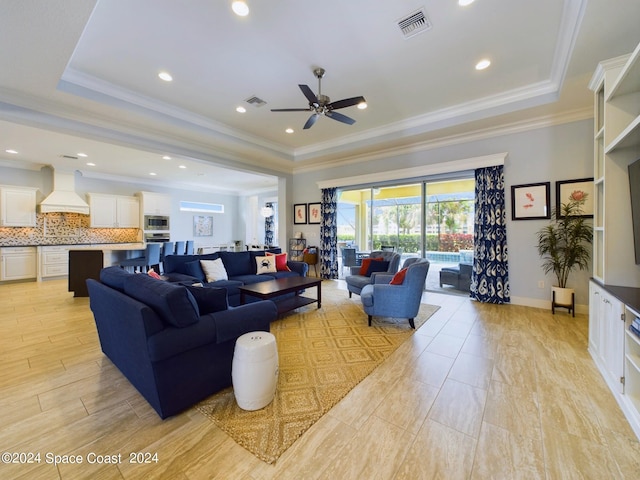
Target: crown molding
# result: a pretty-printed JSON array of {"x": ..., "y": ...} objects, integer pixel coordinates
[
  {"x": 481, "y": 134},
  {"x": 416, "y": 172}
]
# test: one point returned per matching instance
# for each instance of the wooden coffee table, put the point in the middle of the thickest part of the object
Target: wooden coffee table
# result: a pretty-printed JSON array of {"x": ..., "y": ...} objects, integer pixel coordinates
[{"x": 275, "y": 288}]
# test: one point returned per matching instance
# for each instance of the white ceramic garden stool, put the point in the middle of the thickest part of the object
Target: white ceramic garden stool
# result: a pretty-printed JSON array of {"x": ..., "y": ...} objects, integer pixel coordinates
[{"x": 254, "y": 370}]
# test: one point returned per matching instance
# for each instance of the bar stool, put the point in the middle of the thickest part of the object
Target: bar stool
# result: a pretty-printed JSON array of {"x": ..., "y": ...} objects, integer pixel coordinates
[
  {"x": 189, "y": 247},
  {"x": 180, "y": 247}
]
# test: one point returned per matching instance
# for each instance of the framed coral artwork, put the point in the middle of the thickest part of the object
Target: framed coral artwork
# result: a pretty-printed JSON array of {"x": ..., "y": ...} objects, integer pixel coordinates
[
  {"x": 531, "y": 201},
  {"x": 313, "y": 213},
  {"x": 300, "y": 214},
  {"x": 568, "y": 190}
]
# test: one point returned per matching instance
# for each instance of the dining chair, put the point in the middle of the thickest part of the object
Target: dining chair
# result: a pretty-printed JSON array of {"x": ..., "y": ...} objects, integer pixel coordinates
[
  {"x": 150, "y": 259},
  {"x": 180, "y": 246},
  {"x": 189, "y": 250}
]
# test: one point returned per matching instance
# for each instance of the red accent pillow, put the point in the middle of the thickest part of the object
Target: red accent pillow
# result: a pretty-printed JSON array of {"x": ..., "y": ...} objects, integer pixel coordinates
[
  {"x": 398, "y": 278},
  {"x": 152, "y": 273},
  {"x": 281, "y": 261},
  {"x": 364, "y": 267}
]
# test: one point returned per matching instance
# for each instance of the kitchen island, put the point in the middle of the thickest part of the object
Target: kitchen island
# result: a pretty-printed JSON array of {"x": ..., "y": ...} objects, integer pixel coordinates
[{"x": 86, "y": 261}]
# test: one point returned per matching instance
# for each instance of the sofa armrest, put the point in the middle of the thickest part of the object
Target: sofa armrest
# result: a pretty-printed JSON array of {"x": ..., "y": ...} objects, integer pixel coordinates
[
  {"x": 300, "y": 268},
  {"x": 382, "y": 277}
]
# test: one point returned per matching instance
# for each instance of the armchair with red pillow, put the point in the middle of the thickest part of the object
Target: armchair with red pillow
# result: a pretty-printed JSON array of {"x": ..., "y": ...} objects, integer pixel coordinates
[{"x": 378, "y": 263}]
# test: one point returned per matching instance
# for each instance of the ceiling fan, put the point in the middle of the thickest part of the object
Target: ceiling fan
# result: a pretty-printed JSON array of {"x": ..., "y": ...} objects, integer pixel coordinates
[{"x": 322, "y": 105}]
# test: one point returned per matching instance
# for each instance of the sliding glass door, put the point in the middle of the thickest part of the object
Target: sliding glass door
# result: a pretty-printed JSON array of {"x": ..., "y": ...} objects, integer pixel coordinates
[{"x": 432, "y": 219}]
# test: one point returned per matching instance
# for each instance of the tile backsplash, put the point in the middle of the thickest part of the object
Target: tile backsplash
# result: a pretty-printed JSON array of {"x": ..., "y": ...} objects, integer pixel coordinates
[{"x": 65, "y": 229}]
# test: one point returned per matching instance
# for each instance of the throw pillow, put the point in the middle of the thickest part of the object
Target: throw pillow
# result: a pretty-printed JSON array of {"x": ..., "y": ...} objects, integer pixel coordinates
[
  {"x": 365, "y": 264},
  {"x": 281, "y": 261},
  {"x": 209, "y": 299},
  {"x": 266, "y": 264},
  {"x": 153, "y": 274},
  {"x": 377, "y": 267},
  {"x": 195, "y": 269},
  {"x": 398, "y": 278},
  {"x": 214, "y": 270},
  {"x": 172, "y": 303}
]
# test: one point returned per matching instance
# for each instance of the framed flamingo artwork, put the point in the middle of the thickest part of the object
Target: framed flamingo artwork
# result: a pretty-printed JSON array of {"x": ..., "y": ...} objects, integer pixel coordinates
[{"x": 531, "y": 201}]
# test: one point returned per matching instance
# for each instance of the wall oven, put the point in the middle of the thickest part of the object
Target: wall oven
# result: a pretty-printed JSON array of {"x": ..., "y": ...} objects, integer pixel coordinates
[
  {"x": 156, "y": 222},
  {"x": 150, "y": 237}
]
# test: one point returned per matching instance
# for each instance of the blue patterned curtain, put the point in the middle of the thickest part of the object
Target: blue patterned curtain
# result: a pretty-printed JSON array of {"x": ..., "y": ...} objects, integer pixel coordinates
[
  {"x": 268, "y": 226},
  {"x": 490, "y": 277},
  {"x": 329, "y": 234}
]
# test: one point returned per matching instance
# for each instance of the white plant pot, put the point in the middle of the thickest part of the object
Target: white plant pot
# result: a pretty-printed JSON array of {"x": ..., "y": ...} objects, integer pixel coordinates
[{"x": 563, "y": 296}]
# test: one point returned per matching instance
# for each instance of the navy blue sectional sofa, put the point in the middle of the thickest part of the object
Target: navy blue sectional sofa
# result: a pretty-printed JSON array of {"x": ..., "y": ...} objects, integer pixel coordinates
[
  {"x": 240, "y": 266},
  {"x": 173, "y": 342}
]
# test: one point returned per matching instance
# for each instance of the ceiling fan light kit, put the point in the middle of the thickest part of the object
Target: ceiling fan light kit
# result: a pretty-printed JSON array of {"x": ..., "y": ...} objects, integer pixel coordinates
[{"x": 322, "y": 105}]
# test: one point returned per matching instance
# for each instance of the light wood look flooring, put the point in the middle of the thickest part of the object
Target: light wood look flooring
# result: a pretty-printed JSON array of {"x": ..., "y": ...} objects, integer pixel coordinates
[{"x": 479, "y": 392}]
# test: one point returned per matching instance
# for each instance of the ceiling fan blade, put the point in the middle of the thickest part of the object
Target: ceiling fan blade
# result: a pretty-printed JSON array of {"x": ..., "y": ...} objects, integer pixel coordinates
[
  {"x": 340, "y": 117},
  {"x": 291, "y": 110},
  {"x": 347, "y": 102},
  {"x": 312, "y": 119},
  {"x": 309, "y": 94}
]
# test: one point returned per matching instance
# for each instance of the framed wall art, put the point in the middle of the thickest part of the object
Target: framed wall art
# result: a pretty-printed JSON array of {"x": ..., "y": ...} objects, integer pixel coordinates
[
  {"x": 568, "y": 190},
  {"x": 313, "y": 213},
  {"x": 202, "y": 225},
  {"x": 300, "y": 214},
  {"x": 531, "y": 201}
]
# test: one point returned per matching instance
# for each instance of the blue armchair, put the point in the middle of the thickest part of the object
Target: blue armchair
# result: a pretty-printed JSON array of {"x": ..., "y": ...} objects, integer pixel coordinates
[
  {"x": 399, "y": 301},
  {"x": 355, "y": 281}
]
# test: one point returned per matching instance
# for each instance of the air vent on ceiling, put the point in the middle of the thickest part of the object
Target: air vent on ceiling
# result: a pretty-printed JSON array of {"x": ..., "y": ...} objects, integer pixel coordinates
[
  {"x": 72, "y": 157},
  {"x": 255, "y": 101},
  {"x": 414, "y": 23}
]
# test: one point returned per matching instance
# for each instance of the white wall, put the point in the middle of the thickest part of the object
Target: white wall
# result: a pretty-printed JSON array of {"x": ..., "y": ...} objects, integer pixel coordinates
[{"x": 552, "y": 153}]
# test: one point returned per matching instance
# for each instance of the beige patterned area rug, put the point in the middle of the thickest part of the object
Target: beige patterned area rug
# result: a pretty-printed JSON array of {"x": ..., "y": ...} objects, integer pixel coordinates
[{"x": 323, "y": 353}]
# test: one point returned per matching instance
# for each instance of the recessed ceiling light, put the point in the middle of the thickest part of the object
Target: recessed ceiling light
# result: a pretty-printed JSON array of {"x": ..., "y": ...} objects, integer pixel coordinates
[
  {"x": 464, "y": 3},
  {"x": 240, "y": 8},
  {"x": 182, "y": 166},
  {"x": 362, "y": 105},
  {"x": 165, "y": 76},
  {"x": 289, "y": 130},
  {"x": 11, "y": 151},
  {"x": 241, "y": 109},
  {"x": 83, "y": 155},
  {"x": 482, "y": 64},
  {"x": 166, "y": 157},
  {"x": 153, "y": 174},
  {"x": 91, "y": 164}
]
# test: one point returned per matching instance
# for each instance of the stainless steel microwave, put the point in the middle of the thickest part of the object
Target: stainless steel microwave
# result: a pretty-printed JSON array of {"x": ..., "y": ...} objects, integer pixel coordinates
[{"x": 156, "y": 222}]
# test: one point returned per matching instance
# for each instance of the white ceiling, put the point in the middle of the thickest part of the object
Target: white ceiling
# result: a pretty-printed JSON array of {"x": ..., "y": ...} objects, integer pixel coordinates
[{"x": 81, "y": 76}]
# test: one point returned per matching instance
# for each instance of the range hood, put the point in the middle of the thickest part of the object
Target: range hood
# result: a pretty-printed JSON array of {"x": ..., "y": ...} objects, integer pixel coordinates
[{"x": 63, "y": 198}]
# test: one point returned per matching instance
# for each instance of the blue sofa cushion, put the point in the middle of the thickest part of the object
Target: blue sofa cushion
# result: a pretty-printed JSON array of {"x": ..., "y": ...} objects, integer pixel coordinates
[
  {"x": 249, "y": 279},
  {"x": 377, "y": 267},
  {"x": 282, "y": 274},
  {"x": 194, "y": 269},
  {"x": 173, "y": 303},
  {"x": 114, "y": 277},
  {"x": 237, "y": 263},
  {"x": 209, "y": 299}
]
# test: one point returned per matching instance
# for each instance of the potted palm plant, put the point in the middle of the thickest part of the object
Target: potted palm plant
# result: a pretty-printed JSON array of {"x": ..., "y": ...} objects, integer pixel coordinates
[{"x": 564, "y": 245}]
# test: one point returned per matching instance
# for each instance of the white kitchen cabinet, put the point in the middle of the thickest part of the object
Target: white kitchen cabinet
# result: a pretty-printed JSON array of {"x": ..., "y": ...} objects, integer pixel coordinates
[
  {"x": 18, "y": 263},
  {"x": 152, "y": 203},
  {"x": 17, "y": 206},
  {"x": 54, "y": 261},
  {"x": 113, "y": 211}
]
